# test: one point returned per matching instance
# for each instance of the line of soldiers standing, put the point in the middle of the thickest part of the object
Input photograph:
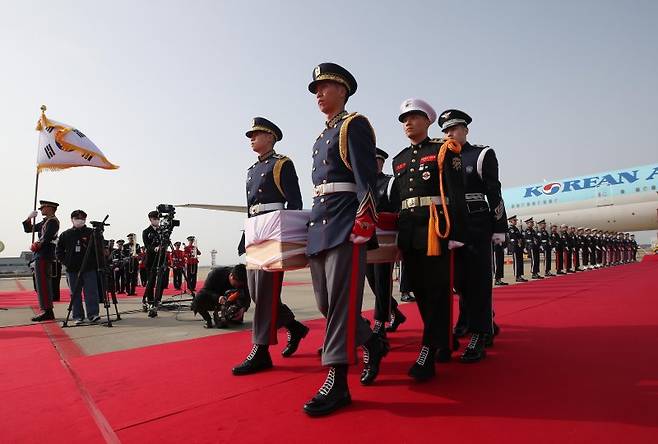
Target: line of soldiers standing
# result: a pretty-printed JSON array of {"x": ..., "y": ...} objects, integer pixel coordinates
[{"x": 575, "y": 249}]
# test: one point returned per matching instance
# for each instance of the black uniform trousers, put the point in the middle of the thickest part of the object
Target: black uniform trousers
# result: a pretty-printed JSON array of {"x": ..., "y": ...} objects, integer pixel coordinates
[
  {"x": 380, "y": 279},
  {"x": 585, "y": 257},
  {"x": 499, "y": 261},
  {"x": 474, "y": 285},
  {"x": 430, "y": 279},
  {"x": 143, "y": 276},
  {"x": 534, "y": 259},
  {"x": 559, "y": 259},
  {"x": 405, "y": 285},
  {"x": 120, "y": 280},
  {"x": 155, "y": 274},
  {"x": 192, "y": 270},
  {"x": 547, "y": 259},
  {"x": 569, "y": 258},
  {"x": 576, "y": 258},
  {"x": 517, "y": 256},
  {"x": 178, "y": 278}
]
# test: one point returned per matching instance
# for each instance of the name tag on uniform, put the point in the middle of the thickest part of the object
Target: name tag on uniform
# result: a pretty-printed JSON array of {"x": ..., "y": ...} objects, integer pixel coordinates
[{"x": 77, "y": 247}]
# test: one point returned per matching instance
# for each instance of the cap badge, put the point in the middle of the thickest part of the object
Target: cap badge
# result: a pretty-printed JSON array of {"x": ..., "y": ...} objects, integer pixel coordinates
[{"x": 316, "y": 71}]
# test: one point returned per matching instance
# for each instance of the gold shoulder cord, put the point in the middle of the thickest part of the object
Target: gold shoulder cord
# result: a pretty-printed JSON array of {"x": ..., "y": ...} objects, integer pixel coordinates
[
  {"x": 277, "y": 174},
  {"x": 342, "y": 138}
]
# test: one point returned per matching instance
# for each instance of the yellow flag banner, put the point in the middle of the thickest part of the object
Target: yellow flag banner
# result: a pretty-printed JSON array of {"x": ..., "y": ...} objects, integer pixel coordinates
[{"x": 62, "y": 146}]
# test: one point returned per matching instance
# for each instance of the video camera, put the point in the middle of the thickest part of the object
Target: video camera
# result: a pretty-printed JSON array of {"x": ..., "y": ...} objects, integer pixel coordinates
[
  {"x": 100, "y": 225},
  {"x": 167, "y": 222}
]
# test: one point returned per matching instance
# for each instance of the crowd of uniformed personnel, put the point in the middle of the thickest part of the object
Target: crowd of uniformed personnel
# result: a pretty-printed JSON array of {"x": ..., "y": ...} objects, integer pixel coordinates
[
  {"x": 574, "y": 249},
  {"x": 444, "y": 200}
]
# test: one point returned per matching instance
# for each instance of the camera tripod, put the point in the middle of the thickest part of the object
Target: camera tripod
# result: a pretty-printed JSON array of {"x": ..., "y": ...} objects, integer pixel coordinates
[{"x": 102, "y": 276}]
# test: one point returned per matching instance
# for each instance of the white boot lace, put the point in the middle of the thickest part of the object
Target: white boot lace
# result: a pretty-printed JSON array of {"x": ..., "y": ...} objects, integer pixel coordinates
[
  {"x": 422, "y": 357},
  {"x": 474, "y": 339},
  {"x": 329, "y": 382},
  {"x": 252, "y": 353}
]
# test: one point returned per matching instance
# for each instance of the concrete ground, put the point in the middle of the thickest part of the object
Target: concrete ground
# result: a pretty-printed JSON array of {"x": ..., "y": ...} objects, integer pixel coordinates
[{"x": 135, "y": 329}]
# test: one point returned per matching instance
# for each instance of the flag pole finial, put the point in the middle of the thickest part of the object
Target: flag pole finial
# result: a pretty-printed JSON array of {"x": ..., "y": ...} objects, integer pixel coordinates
[{"x": 43, "y": 108}]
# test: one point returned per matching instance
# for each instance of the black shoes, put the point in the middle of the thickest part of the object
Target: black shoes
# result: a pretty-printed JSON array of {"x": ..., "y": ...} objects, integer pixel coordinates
[
  {"x": 561, "y": 272},
  {"x": 333, "y": 394},
  {"x": 548, "y": 273},
  {"x": 488, "y": 340},
  {"x": 537, "y": 276},
  {"x": 373, "y": 352},
  {"x": 258, "y": 359},
  {"x": 407, "y": 297},
  {"x": 521, "y": 279},
  {"x": 296, "y": 332},
  {"x": 500, "y": 282},
  {"x": 397, "y": 318},
  {"x": 423, "y": 368},
  {"x": 475, "y": 349},
  {"x": 47, "y": 315}
]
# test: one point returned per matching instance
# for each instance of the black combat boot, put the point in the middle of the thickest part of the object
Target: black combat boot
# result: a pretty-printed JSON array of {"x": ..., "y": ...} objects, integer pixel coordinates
[
  {"x": 460, "y": 331},
  {"x": 379, "y": 329},
  {"x": 373, "y": 352},
  {"x": 397, "y": 318},
  {"x": 47, "y": 315},
  {"x": 488, "y": 340},
  {"x": 296, "y": 332},
  {"x": 257, "y": 360},
  {"x": 423, "y": 368},
  {"x": 333, "y": 394},
  {"x": 444, "y": 355},
  {"x": 475, "y": 349}
]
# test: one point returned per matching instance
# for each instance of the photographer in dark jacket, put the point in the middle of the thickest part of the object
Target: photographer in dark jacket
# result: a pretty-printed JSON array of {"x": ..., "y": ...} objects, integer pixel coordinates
[
  {"x": 217, "y": 283},
  {"x": 71, "y": 250}
]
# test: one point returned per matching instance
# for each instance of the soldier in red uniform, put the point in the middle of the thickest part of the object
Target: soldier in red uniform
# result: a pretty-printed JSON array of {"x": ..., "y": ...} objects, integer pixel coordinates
[
  {"x": 143, "y": 273},
  {"x": 178, "y": 264},
  {"x": 191, "y": 261}
]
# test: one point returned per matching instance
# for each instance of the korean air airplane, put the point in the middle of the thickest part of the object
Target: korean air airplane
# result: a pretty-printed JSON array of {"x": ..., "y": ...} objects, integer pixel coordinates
[{"x": 623, "y": 200}]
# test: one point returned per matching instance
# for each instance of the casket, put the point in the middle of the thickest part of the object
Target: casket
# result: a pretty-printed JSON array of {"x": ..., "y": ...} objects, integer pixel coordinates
[
  {"x": 276, "y": 241},
  {"x": 388, "y": 248}
]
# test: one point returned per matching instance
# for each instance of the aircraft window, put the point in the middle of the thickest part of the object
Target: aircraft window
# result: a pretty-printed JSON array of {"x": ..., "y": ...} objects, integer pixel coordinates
[
  {"x": 653, "y": 187},
  {"x": 622, "y": 191},
  {"x": 644, "y": 189},
  {"x": 528, "y": 204},
  {"x": 533, "y": 204},
  {"x": 637, "y": 190},
  {"x": 544, "y": 202}
]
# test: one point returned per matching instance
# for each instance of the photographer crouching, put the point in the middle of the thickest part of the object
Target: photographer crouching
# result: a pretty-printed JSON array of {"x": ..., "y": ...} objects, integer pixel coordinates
[
  {"x": 224, "y": 292},
  {"x": 71, "y": 249}
]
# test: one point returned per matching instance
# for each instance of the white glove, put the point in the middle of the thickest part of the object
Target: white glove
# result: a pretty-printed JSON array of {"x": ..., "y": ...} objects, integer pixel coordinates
[
  {"x": 33, "y": 214},
  {"x": 358, "y": 239},
  {"x": 498, "y": 238},
  {"x": 454, "y": 244}
]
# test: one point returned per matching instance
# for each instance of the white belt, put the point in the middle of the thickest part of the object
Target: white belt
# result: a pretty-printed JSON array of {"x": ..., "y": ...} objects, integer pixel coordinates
[
  {"x": 424, "y": 201},
  {"x": 474, "y": 196},
  {"x": 334, "y": 187},
  {"x": 259, "y": 208}
]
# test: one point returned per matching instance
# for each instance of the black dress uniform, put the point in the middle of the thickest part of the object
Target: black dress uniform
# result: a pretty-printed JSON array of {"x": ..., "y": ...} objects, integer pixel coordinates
[
  {"x": 130, "y": 252},
  {"x": 416, "y": 188},
  {"x": 342, "y": 216},
  {"x": 119, "y": 268},
  {"x": 634, "y": 248},
  {"x": 545, "y": 246},
  {"x": 272, "y": 185},
  {"x": 380, "y": 276},
  {"x": 515, "y": 248},
  {"x": 155, "y": 261},
  {"x": 44, "y": 259},
  {"x": 499, "y": 261},
  {"x": 485, "y": 216},
  {"x": 585, "y": 239},
  {"x": 532, "y": 245},
  {"x": 559, "y": 241}
]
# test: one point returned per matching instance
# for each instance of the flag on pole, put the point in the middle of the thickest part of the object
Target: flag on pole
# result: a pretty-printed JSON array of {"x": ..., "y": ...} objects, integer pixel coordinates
[{"x": 62, "y": 146}]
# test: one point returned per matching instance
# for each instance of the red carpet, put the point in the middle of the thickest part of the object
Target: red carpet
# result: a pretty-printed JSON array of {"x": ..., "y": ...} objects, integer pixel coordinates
[{"x": 576, "y": 362}]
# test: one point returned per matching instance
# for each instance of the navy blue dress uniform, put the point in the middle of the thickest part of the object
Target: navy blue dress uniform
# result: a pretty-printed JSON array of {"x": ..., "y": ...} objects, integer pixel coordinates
[
  {"x": 515, "y": 247},
  {"x": 272, "y": 185},
  {"x": 44, "y": 258},
  {"x": 343, "y": 215},
  {"x": 417, "y": 190},
  {"x": 380, "y": 276},
  {"x": 485, "y": 217},
  {"x": 532, "y": 245},
  {"x": 131, "y": 250},
  {"x": 154, "y": 263},
  {"x": 545, "y": 246}
]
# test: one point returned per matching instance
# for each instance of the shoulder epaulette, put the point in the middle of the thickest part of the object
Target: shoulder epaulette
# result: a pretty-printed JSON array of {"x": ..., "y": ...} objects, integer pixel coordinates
[
  {"x": 276, "y": 172},
  {"x": 437, "y": 140},
  {"x": 481, "y": 146},
  {"x": 342, "y": 137}
]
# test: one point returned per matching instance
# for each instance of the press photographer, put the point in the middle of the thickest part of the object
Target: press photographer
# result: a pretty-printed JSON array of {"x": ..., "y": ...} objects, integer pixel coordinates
[{"x": 225, "y": 293}]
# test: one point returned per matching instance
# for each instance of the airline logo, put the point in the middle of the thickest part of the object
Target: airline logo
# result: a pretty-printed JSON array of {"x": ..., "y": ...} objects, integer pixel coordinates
[{"x": 617, "y": 178}]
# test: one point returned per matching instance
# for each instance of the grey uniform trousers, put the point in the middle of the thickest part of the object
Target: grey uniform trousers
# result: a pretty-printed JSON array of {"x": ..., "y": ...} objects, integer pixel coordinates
[
  {"x": 269, "y": 314},
  {"x": 338, "y": 276}
]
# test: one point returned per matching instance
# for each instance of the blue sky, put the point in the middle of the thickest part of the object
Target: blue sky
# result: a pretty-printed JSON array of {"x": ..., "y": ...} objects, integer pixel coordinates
[{"x": 167, "y": 90}]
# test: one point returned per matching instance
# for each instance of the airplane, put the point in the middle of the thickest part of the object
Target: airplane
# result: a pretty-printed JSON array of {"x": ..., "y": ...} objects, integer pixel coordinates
[{"x": 622, "y": 200}]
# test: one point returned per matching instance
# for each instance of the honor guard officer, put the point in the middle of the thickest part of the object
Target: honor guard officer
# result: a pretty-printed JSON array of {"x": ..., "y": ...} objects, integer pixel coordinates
[
  {"x": 131, "y": 251},
  {"x": 272, "y": 185},
  {"x": 560, "y": 250},
  {"x": 119, "y": 267},
  {"x": 578, "y": 246},
  {"x": 44, "y": 256},
  {"x": 486, "y": 224},
  {"x": 567, "y": 247},
  {"x": 545, "y": 246},
  {"x": 634, "y": 248},
  {"x": 380, "y": 276},
  {"x": 516, "y": 248},
  {"x": 343, "y": 217},
  {"x": 191, "y": 252},
  {"x": 429, "y": 190},
  {"x": 585, "y": 238},
  {"x": 151, "y": 240},
  {"x": 557, "y": 245},
  {"x": 178, "y": 264},
  {"x": 499, "y": 262},
  {"x": 532, "y": 245}
]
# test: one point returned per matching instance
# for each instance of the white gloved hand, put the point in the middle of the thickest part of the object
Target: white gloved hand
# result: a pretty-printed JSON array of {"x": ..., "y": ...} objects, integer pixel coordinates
[
  {"x": 33, "y": 214},
  {"x": 454, "y": 244},
  {"x": 498, "y": 238}
]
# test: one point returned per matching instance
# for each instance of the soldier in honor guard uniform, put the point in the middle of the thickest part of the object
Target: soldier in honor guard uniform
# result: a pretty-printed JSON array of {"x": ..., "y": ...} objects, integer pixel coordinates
[
  {"x": 532, "y": 245},
  {"x": 343, "y": 218},
  {"x": 429, "y": 190},
  {"x": 585, "y": 238},
  {"x": 178, "y": 265},
  {"x": 486, "y": 224},
  {"x": 44, "y": 256},
  {"x": 634, "y": 248},
  {"x": 577, "y": 236},
  {"x": 516, "y": 246},
  {"x": 567, "y": 241},
  {"x": 558, "y": 244},
  {"x": 118, "y": 267},
  {"x": 131, "y": 251},
  {"x": 191, "y": 252},
  {"x": 272, "y": 185},
  {"x": 499, "y": 262},
  {"x": 380, "y": 276},
  {"x": 545, "y": 246},
  {"x": 151, "y": 240}
]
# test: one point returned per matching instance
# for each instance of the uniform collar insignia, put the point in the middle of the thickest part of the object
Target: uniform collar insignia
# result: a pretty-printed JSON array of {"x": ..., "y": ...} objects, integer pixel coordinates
[
  {"x": 267, "y": 155},
  {"x": 332, "y": 123}
]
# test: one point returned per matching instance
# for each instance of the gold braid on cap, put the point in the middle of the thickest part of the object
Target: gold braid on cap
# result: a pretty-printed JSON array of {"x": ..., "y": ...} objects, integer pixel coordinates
[
  {"x": 335, "y": 78},
  {"x": 265, "y": 129}
]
